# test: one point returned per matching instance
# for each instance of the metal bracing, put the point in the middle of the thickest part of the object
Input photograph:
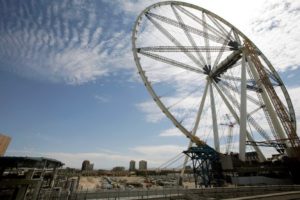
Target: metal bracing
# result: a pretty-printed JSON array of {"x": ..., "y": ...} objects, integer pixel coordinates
[
  {"x": 269, "y": 108},
  {"x": 188, "y": 34},
  {"x": 234, "y": 78},
  {"x": 280, "y": 146},
  {"x": 206, "y": 41},
  {"x": 274, "y": 99},
  {"x": 243, "y": 112},
  {"x": 234, "y": 89},
  {"x": 227, "y": 63},
  {"x": 206, "y": 167},
  {"x": 202, "y": 22},
  {"x": 195, "y": 139},
  {"x": 217, "y": 60},
  {"x": 250, "y": 119},
  {"x": 221, "y": 28},
  {"x": 285, "y": 92},
  {"x": 229, "y": 134},
  {"x": 172, "y": 38},
  {"x": 214, "y": 118},
  {"x": 196, "y": 125},
  {"x": 266, "y": 113},
  {"x": 234, "y": 114},
  {"x": 236, "y": 37},
  {"x": 184, "y": 49},
  {"x": 229, "y": 140},
  {"x": 183, "y": 29},
  {"x": 171, "y": 62},
  {"x": 187, "y": 27},
  {"x": 258, "y": 128}
]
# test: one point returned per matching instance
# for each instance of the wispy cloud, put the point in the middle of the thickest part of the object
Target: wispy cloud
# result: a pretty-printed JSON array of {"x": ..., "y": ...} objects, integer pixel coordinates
[
  {"x": 153, "y": 113},
  {"x": 62, "y": 41},
  {"x": 170, "y": 132},
  {"x": 102, "y": 98},
  {"x": 275, "y": 32}
]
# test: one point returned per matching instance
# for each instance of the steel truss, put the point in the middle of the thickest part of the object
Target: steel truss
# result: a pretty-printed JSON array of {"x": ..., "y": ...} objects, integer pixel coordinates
[
  {"x": 173, "y": 37},
  {"x": 206, "y": 165}
]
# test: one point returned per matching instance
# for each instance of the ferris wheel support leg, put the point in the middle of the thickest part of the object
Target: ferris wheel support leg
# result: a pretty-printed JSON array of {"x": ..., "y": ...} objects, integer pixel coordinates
[
  {"x": 243, "y": 112},
  {"x": 261, "y": 157},
  {"x": 198, "y": 117},
  {"x": 214, "y": 117},
  {"x": 275, "y": 121}
]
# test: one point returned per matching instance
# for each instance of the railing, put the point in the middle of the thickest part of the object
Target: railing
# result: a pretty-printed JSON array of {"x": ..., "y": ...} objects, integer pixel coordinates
[{"x": 168, "y": 193}]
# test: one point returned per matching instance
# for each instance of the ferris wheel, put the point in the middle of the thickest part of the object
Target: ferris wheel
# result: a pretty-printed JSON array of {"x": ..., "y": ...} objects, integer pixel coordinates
[{"x": 198, "y": 68}]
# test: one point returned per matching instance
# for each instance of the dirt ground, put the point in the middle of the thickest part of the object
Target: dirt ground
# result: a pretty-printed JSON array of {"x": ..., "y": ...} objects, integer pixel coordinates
[
  {"x": 95, "y": 183},
  {"x": 90, "y": 183}
]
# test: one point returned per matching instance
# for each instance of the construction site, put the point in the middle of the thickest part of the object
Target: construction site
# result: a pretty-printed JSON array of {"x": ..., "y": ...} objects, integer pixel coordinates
[{"x": 226, "y": 98}]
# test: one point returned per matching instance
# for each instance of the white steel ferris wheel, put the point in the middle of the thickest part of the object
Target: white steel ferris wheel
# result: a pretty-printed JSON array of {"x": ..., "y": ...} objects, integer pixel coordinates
[{"x": 199, "y": 68}]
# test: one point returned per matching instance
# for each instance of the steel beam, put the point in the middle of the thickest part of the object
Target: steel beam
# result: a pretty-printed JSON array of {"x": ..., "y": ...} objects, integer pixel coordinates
[
  {"x": 214, "y": 118},
  {"x": 243, "y": 111}
]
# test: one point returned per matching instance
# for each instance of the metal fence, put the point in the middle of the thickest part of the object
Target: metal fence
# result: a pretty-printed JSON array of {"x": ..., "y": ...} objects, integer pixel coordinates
[
  {"x": 114, "y": 194},
  {"x": 168, "y": 193}
]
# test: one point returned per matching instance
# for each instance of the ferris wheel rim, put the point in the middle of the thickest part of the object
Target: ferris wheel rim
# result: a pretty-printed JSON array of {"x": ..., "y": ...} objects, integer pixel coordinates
[{"x": 152, "y": 92}]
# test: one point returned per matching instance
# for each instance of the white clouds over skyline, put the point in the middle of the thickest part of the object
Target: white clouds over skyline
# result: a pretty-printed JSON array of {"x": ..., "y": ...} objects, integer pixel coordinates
[{"x": 155, "y": 155}]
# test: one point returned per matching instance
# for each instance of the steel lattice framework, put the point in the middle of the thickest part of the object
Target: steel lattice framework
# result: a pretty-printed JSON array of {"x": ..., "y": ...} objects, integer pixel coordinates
[{"x": 193, "y": 54}]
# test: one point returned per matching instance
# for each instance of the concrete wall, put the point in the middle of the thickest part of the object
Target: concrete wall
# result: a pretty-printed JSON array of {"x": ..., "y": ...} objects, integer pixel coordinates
[{"x": 259, "y": 180}]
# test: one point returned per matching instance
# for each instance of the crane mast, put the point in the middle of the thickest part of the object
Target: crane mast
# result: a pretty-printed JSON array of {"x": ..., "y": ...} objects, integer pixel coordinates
[{"x": 279, "y": 108}]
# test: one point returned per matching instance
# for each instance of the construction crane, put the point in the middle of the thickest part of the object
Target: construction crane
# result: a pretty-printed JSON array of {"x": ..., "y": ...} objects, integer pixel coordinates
[{"x": 230, "y": 125}]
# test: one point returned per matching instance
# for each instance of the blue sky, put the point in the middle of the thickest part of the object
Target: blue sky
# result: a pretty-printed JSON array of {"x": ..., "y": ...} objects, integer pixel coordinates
[{"x": 69, "y": 87}]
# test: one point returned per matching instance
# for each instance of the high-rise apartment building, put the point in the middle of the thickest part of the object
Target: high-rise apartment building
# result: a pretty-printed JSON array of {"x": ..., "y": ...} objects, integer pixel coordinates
[
  {"x": 143, "y": 165},
  {"x": 132, "y": 165}
]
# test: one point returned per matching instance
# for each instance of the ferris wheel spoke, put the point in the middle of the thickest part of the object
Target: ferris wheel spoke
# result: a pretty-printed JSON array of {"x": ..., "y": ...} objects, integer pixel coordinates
[
  {"x": 172, "y": 39},
  {"x": 233, "y": 88},
  {"x": 221, "y": 52},
  {"x": 217, "y": 24},
  {"x": 199, "y": 113},
  {"x": 214, "y": 118},
  {"x": 230, "y": 96},
  {"x": 258, "y": 128},
  {"x": 236, "y": 37},
  {"x": 256, "y": 110},
  {"x": 184, "y": 49},
  {"x": 237, "y": 104},
  {"x": 273, "y": 77},
  {"x": 187, "y": 27},
  {"x": 171, "y": 62},
  {"x": 250, "y": 119},
  {"x": 227, "y": 63},
  {"x": 197, "y": 121},
  {"x": 188, "y": 34},
  {"x": 234, "y": 114},
  {"x": 265, "y": 110},
  {"x": 234, "y": 78},
  {"x": 206, "y": 41},
  {"x": 200, "y": 21}
]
